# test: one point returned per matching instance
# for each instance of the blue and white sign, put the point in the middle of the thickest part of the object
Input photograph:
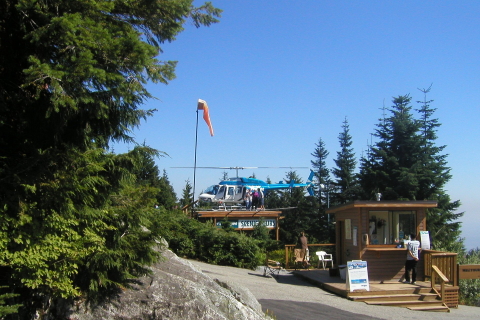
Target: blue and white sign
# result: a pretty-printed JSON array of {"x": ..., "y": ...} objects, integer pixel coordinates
[
  {"x": 357, "y": 276},
  {"x": 250, "y": 223}
]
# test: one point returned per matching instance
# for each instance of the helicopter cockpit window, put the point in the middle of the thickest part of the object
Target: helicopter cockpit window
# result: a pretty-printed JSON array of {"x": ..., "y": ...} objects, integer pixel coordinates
[
  {"x": 230, "y": 191},
  {"x": 212, "y": 190},
  {"x": 238, "y": 190}
]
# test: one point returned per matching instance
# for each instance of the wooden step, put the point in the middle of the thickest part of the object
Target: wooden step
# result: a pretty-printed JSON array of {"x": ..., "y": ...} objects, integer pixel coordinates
[
  {"x": 388, "y": 297},
  {"x": 405, "y": 304},
  {"x": 398, "y": 291},
  {"x": 395, "y": 296},
  {"x": 430, "y": 308},
  {"x": 429, "y": 296}
]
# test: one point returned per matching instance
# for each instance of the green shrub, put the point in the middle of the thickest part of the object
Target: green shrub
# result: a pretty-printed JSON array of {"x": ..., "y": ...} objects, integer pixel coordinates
[
  {"x": 204, "y": 241},
  {"x": 277, "y": 255},
  {"x": 470, "y": 288},
  {"x": 5, "y": 307}
]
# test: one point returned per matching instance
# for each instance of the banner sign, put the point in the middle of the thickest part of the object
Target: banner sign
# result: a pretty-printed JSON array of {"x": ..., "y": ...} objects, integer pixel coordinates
[
  {"x": 425, "y": 240},
  {"x": 469, "y": 271},
  {"x": 250, "y": 223},
  {"x": 357, "y": 275}
]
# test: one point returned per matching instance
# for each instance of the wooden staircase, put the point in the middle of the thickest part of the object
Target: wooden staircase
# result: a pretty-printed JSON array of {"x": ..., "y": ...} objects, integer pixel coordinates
[{"x": 419, "y": 299}]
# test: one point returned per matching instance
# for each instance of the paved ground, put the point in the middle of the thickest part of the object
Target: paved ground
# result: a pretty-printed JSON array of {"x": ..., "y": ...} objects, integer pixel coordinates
[{"x": 291, "y": 298}]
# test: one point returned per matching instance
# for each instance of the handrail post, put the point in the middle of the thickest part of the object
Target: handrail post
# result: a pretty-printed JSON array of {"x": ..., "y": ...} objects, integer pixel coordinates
[
  {"x": 433, "y": 280},
  {"x": 286, "y": 257},
  {"x": 443, "y": 291}
]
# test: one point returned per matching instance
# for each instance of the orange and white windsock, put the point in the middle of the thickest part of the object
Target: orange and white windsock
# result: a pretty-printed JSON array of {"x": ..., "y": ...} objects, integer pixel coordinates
[{"x": 202, "y": 105}]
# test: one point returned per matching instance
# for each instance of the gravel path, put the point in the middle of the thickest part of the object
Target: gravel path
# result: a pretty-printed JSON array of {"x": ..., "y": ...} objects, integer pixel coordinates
[{"x": 290, "y": 298}]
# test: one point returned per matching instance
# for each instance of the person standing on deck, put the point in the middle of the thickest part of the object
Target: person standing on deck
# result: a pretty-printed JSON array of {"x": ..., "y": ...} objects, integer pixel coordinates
[
  {"x": 413, "y": 248},
  {"x": 261, "y": 199},
  {"x": 303, "y": 244},
  {"x": 248, "y": 199}
]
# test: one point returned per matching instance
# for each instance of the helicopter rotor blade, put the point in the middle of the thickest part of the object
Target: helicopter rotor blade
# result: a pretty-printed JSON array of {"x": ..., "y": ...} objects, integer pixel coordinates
[{"x": 241, "y": 168}]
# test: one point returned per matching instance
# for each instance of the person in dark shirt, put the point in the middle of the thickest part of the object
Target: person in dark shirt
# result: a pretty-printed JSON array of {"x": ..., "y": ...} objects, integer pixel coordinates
[{"x": 303, "y": 244}]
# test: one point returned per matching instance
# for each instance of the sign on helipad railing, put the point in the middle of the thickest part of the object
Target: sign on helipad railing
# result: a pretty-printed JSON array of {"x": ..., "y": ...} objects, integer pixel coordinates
[{"x": 250, "y": 223}]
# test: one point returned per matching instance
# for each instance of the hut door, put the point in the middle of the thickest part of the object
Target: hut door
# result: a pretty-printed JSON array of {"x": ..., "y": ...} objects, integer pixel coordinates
[{"x": 340, "y": 242}]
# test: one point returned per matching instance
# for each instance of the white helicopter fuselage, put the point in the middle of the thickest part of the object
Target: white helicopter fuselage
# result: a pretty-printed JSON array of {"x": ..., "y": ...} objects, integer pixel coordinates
[
  {"x": 226, "y": 194},
  {"x": 232, "y": 191}
]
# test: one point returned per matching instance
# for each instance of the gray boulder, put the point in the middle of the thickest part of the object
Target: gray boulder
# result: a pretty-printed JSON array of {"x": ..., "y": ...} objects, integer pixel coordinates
[{"x": 175, "y": 290}]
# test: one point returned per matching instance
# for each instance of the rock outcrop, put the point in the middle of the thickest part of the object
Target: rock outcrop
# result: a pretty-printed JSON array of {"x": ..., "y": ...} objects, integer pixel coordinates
[{"x": 175, "y": 290}]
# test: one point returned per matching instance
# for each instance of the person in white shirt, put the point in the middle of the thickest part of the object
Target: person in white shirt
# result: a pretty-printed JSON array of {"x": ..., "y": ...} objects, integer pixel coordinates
[
  {"x": 248, "y": 199},
  {"x": 413, "y": 248}
]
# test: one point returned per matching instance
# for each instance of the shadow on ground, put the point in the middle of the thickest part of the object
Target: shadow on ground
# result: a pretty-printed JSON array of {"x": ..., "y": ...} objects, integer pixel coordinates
[{"x": 295, "y": 310}]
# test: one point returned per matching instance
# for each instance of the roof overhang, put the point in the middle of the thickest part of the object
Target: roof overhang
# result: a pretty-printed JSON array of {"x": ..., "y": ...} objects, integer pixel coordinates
[{"x": 393, "y": 204}]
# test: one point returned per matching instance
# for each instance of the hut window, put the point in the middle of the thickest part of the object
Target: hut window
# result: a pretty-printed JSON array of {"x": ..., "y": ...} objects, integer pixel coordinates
[
  {"x": 404, "y": 224},
  {"x": 388, "y": 227}
]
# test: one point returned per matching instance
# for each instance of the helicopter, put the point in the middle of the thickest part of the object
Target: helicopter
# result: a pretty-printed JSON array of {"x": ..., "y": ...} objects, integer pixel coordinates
[{"x": 232, "y": 191}]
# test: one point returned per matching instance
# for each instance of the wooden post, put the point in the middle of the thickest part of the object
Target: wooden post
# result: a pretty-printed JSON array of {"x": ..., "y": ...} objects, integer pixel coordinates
[
  {"x": 286, "y": 257},
  {"x": 278, "y": 230}
]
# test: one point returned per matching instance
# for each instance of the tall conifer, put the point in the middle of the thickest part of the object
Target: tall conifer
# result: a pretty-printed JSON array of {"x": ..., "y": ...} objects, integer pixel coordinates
[
  {"x": 442, "y": 222},
  {"x": 321, "y": 189},
  {"x": 73, "y": 78},
  {"x": 405, "y": 163},
  {"x": 344, "y": 172},
  {"x": 392, "y": 163}
]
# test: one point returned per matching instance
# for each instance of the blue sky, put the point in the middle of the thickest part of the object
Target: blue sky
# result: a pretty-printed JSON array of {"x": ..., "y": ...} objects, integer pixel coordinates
[{"x": 278, "y": 76}]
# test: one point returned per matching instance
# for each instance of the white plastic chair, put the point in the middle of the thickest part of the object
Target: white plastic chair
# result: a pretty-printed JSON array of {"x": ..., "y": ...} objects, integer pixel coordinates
[{"x": 324, "y": 258}]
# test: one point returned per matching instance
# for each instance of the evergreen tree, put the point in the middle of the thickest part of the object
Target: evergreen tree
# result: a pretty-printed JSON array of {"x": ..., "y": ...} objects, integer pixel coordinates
[
  {"x": 301, "y": 216},
  {"x": 407, "y": 164},
  {"x": 187, "y": 195},
  {"x": 119, "y": 231},
  {"x": 272, "y": 197},
  {"x": 166, "y": 196},
  {"x": 324, "y": 224},
  {"x": 72, "y": 79},
  {"x": 392, "y": 164},
  {"x": 442, "y": 222},
  {"x": 345, "y": 185},
  {"x": 146, "y": 170}
]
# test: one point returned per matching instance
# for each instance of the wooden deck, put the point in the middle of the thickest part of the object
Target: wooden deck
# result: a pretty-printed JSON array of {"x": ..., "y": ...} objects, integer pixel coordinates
[
  {"x": 338, "y": 286},
  {"x": 417, "y": 296}
]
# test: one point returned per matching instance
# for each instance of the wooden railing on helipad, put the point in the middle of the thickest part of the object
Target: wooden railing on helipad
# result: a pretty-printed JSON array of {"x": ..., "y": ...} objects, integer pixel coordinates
[{"x": 312, "y": 248}]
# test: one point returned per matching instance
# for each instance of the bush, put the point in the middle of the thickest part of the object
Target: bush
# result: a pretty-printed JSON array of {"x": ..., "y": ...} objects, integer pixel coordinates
[
  {"x": 470, "y": 288},
  {"x": 5, "y": 307},
  {"x": 204, "y": 241},
  {"x": 277, "y": 255}
]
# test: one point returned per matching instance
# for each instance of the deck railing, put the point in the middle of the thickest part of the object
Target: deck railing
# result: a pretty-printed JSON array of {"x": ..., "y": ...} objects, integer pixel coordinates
[
  {"x": 446, "y": 262},
  {"x": 443, "y": 280},
  {"x": 312, "y": 248}
]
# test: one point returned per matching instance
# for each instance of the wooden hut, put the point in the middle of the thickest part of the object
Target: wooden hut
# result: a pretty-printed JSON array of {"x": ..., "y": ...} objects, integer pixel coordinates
[{"x": 372, "y": 231}]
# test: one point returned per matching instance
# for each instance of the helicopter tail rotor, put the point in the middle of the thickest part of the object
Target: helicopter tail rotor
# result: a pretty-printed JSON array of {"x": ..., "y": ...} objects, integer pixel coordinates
[{"x": 310, "y": 183}]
